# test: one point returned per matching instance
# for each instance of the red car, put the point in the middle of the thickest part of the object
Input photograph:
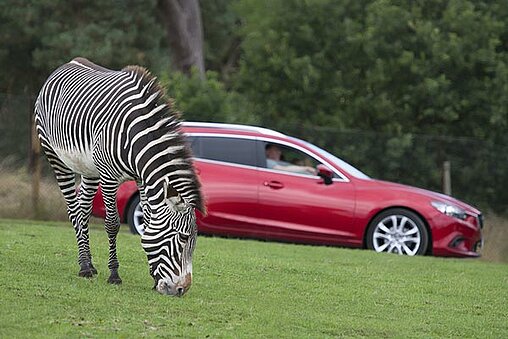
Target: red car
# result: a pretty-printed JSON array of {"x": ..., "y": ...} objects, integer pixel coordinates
[{"x": 259, "y": 183}]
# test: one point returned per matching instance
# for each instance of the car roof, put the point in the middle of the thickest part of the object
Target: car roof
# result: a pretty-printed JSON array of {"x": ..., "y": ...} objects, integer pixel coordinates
[
  {"x": 208, "y": 128},
  {"x": 211, "y": 127}
]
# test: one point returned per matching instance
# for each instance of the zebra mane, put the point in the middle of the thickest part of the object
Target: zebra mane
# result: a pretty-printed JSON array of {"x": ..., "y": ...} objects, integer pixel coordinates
[
  {"x": 155, "y": 87},
  {"x": 171, "y": 129}
]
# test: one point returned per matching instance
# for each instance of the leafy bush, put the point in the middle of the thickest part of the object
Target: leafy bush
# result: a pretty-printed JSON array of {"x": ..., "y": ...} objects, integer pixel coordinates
[{"x": 207, "y": 100}]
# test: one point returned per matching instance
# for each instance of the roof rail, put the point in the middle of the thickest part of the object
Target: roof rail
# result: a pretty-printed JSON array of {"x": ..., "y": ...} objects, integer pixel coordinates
[{"x": 237, "y": 127}]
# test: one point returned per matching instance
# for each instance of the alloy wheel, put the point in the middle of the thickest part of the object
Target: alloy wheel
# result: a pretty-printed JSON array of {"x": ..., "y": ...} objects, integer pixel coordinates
[{"x": 397, "y": 234}]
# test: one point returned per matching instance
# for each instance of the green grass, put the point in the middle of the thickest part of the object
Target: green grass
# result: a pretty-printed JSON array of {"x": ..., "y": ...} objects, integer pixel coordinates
[{"x": 243, "y": 289}]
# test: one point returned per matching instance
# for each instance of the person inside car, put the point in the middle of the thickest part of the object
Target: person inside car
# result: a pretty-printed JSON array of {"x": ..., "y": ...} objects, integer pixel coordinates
[{"x": 274, "y": 161}]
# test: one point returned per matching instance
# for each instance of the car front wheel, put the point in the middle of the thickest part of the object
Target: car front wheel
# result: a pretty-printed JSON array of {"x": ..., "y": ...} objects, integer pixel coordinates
[
  {"x": 398, "y": 231},
  {"x": 135, "y": 216}
]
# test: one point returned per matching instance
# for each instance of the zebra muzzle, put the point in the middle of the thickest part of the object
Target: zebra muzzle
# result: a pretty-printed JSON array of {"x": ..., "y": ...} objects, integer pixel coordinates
[{"x": 178, "y": 289}]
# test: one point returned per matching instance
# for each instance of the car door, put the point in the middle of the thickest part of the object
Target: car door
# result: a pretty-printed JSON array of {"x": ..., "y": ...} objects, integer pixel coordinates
[
  {"x": 226, "y": 166},
  {"x": 300, "y": 206}
]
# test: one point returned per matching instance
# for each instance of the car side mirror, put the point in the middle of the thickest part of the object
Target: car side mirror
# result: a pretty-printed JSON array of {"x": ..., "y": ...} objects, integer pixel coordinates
[{"x": 325, "y": 173}]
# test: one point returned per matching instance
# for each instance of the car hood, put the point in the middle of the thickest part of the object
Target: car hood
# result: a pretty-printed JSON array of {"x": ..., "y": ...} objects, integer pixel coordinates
[{"x": 431, "y": 195}]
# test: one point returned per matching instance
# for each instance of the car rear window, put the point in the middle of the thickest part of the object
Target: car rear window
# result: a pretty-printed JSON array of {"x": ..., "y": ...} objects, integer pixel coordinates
[{"x": 233, "y": 150}]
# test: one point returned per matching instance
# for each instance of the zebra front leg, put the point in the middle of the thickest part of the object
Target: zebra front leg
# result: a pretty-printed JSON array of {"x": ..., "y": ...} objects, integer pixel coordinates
[
  {"x": 112, "y": 226},
  {"x": 87, "y": 192},
  {"x": 144, "y": 204}
]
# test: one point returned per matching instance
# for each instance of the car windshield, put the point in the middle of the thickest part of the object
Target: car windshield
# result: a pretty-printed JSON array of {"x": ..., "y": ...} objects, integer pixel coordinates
[{"x": 339, "y": 162}]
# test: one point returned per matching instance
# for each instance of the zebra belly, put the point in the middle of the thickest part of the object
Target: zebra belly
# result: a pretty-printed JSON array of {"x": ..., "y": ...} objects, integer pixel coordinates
[{"x": 78, "y": 161}]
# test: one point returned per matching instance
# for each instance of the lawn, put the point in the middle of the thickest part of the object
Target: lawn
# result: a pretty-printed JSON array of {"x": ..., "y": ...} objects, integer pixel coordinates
[{"x": 243, "y": 289}]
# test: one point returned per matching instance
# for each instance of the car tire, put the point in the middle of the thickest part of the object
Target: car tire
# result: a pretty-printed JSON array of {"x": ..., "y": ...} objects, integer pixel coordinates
[
  {"x": 135, "y": 216},
  {"x": 398, "y": 231}
]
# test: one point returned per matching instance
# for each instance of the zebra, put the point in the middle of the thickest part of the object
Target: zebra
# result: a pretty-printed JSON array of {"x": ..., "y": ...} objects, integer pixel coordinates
[{"x": 109, "y": 126}]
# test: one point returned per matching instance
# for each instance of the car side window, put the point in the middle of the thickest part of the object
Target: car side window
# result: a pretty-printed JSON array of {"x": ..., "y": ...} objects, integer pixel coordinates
[
  {"x": 284, "y": 158},
  {"x": 232, "y": 150},
  {"x": 192, "y": 142}
]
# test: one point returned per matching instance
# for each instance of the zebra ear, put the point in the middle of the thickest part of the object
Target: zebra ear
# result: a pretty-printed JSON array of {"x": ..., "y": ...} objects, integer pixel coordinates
[
  {"x": 172, "y": 197},
  {"x": 177, "y": 203}
]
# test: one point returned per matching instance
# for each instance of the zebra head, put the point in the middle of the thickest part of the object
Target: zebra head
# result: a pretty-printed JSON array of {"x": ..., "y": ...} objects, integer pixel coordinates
[{"x": 169, "y": 241}]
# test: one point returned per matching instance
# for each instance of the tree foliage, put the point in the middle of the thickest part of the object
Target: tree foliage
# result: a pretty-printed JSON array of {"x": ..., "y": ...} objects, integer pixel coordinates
[
  {"x": 41, "y": 35},
  {"x": 393, "y": 66},
  {"x": 222, "y": 39},
  {"x": 207, "y": 100}
]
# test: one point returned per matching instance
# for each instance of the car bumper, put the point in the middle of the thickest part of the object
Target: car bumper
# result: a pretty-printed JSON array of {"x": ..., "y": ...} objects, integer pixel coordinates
[{"x": 456, "y": 238}]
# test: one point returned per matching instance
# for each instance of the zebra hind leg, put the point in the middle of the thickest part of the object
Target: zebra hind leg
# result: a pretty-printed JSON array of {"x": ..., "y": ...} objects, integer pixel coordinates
[
  {"x": 67, "y": 183},
  {"x": 112, "y": 226},
  {"x": 87, "y": 191},
  {"x": 66, "y": 180}
]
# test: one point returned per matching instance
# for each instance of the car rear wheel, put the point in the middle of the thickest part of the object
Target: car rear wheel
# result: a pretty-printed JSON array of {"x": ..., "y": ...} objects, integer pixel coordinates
[
  {"x": 135, "y": 216},
  {"x": 398, "y": 231}
]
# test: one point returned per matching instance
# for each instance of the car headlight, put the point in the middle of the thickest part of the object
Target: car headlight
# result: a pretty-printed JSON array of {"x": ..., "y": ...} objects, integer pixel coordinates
[{"x": 450, "y": 210}]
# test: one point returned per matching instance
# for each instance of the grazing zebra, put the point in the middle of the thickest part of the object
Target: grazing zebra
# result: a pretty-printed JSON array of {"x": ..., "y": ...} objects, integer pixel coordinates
[{"x": 110, "y": 126}]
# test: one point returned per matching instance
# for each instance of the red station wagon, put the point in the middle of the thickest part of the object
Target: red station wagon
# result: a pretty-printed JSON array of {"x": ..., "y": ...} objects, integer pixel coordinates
[{"x": 259, "y": 183}]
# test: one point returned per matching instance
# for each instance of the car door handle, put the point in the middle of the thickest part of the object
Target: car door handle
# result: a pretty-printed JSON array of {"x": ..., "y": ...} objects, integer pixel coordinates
[{"x": 276, "y": 185}]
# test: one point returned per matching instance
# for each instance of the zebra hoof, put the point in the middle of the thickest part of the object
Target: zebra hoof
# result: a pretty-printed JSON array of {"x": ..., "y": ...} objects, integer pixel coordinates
[
  {"x": 114, "y": 280},
  {"x": 86, "y": 273},
  {"x": 94, "y": 271}
]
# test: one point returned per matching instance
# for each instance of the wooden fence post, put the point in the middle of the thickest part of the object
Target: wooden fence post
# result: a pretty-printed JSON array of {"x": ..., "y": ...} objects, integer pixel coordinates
[{"x": 447, "y": 178}]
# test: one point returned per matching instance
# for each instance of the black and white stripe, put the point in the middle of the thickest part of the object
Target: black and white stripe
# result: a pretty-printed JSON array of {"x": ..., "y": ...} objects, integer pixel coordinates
[{"x": 110, "y": 126}]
